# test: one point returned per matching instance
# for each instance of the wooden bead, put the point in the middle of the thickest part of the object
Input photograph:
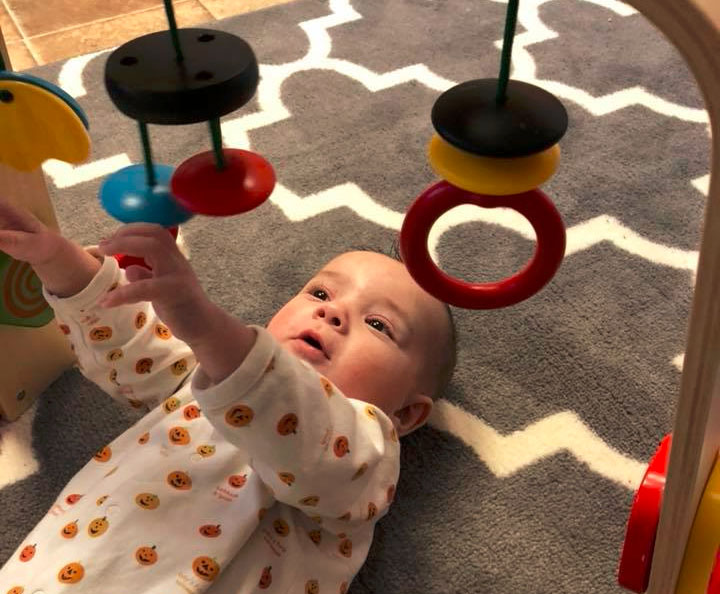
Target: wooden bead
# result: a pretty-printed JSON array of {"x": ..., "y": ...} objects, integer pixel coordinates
[
  {"x": 489, "y": 175},
  {"x": 246, "y": 181},
  {"x": 36, "y": 125},
  {"x": 218, "y": 75},
  {"x": 468, "y": 117}
]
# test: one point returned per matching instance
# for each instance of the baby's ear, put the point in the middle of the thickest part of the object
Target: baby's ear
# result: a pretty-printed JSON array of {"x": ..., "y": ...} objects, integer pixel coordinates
[{"x": 414, "y": 415}]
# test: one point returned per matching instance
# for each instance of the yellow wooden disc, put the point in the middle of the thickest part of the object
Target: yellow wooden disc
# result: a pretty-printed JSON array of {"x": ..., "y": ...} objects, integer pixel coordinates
[
  {"x": 704, "y": 539},
  {"x": 36, "y": 125},
  {"x": 491, "y": 175}
]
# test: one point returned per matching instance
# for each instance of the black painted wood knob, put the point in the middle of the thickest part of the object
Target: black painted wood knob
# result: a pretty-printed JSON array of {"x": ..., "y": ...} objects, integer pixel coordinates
[
  {"x": 218, "y": 75},
  {"x": 529, "y": 121}
]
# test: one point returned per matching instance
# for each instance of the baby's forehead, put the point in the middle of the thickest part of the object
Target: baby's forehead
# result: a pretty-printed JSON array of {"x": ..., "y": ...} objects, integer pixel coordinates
[{"x": 377, "y": 272}]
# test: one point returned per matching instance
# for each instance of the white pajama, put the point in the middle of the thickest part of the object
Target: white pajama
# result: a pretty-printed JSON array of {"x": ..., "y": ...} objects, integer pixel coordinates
[{"x": 271, "y": 480}]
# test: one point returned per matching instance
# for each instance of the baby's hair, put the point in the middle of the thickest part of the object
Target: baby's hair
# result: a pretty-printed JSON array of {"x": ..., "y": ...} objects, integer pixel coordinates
[{"x": 448, "y": 360}]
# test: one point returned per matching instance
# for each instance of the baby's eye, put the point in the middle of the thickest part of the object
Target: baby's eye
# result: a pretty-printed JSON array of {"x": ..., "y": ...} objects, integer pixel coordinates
[
  {"x": 379, "y": 325},
  {"x": 320, "y": 294}
]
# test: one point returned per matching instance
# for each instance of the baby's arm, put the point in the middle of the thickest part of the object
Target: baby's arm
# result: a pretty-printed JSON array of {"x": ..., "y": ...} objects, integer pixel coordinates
[
  {"x": 122, "y": 350},
  {"x": 318, "y": 451}
]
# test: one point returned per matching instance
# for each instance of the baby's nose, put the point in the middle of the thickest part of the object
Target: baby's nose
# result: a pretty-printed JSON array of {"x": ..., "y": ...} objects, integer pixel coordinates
[{"x": 332, "y": 315}]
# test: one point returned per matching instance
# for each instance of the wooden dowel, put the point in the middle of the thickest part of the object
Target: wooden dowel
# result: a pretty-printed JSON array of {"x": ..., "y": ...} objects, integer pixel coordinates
[{"x": 693, "y": 26}]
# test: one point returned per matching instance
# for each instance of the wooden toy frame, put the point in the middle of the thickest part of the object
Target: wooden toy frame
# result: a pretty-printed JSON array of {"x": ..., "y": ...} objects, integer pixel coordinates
[
  {"x": 24, "y": 373},
  {"x": 693, "y": 27}
]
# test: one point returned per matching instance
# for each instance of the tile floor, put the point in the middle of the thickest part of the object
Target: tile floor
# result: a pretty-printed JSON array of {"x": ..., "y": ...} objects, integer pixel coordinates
[{"x": 40, "y": 31}]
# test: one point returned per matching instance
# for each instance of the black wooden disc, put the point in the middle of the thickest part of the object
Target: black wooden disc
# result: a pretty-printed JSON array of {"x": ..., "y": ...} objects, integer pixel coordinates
[
  {"x": 218, "y": 75},
  {"x": 468, "y": 117}
]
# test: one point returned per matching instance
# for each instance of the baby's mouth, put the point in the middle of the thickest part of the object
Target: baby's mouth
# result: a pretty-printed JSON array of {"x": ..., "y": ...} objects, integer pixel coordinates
[{"x": 313, "y": 340}]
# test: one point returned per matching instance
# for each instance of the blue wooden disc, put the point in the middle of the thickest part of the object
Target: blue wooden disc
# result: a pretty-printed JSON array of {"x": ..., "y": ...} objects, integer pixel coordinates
[
  {"x": 126, "y": 196},
  {"x": 531, "y": 119}
]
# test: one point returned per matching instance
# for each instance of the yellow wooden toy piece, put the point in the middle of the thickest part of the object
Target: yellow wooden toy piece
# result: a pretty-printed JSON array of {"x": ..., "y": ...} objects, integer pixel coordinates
[
  {"x": 704, "y": 540},
  {"x": 35, "y": 125},
  {"x": 491, "y": 175}
]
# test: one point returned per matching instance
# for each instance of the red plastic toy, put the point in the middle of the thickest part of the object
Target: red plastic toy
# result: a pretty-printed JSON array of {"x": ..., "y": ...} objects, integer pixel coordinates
[
  {"x": 634, "y": 571},
  {"x": 441, "y": 197}
]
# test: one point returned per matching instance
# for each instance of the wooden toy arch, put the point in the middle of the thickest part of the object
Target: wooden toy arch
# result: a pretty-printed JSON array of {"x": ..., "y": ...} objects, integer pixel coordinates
[{"x": 693, "y": 27}]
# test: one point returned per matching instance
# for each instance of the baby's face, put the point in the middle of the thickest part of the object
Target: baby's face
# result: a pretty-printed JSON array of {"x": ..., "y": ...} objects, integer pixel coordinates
[{"x": 365, "y": 325}]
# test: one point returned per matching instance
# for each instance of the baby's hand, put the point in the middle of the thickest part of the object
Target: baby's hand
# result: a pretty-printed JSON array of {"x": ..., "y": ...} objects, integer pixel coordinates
[
  {"x": 171, "y": 285},
  {"x": 25, "y": 238}
]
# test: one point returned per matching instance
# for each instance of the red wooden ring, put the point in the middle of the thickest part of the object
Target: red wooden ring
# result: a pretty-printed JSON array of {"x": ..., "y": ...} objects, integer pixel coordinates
[
  {"x": 637, "y": 552},
  {"x": 435, "y": 201}
]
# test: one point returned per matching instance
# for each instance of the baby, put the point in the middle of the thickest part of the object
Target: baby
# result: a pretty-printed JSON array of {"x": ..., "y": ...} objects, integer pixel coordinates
[{"x": 266, "y": 456}]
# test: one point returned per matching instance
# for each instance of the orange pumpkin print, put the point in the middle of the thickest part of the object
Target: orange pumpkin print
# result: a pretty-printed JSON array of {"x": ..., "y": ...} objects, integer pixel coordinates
[
  {"x": 97, "y": 527},
  {"x": 237, "y": 480},
  {"x": 360, "y": 471},
  {"x": 191, "y": 412},
  {"x": 143, "y": 439},
  {"x": 64, "y": 328},
  {"x": 103, "y": 454},
  {"x": 69, "y": 530},
  {"x": 312, "y": 587},
  {"x": 287, "y": 477},
  {"x": 341, "y": 446},
  {"x": 345, "y": 547},
  {"x": 327, "y": 386},
  {"x": 147, "y": 500},
  {"x": 205, "y": 568},
  {"x": 315, "y": 536},
  {"x": 146, "y": 555},
  {"x": 101, "y": 333},
  {"x": 343, "y": 588},
  {"x": 239, "y": 415},
  {"x": 179, "y": 436},
  {"x": 206, "y": 450},
  {"x": 371, "y": 412},
  {"x": 310, "y": 500},
  {"x": 180, "y": 480},
  {"x": 390, "y": 493},
  {"x": 113, "y": 377},
  {"x": 16, "y": 590},
  {"x": 162, "y": 332},
  {"x": 144, "y": 365},
  {"x": 179, "y": 367},
  {"x": 288, "y": 424},
  {"x": 73, "y": 498},
  {"x": 210, "y": 530},
  {"x": 114, "y": 355},
  {"x": 101, "y": 500},
  {"x": 27, "y": 553},
  {"x": 372, "y": 511},
  {"x": 71, "y": 573},
  {"x": 281, "y": 527},
  {"x": 265, "y": 577},
  {"x": 171, "y": 404},
  {"x": 140, "y": 320},
  {"x": 135, "y": 403}
]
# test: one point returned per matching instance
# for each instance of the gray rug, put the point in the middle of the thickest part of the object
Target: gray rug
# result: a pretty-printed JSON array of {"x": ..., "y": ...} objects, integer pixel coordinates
[{"x": 523, "y": 480}]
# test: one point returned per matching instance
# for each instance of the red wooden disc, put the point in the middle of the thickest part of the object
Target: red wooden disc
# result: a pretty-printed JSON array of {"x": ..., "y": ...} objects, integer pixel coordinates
[
  {"x": 125, "y": 261},
  {"x": 636, "y": 558},
  {"x": 246, "y": 181}
]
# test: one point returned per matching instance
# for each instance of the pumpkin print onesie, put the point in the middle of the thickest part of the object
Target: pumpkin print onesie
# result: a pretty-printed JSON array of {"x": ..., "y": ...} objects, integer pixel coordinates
[{"x": 271, "y": 480}]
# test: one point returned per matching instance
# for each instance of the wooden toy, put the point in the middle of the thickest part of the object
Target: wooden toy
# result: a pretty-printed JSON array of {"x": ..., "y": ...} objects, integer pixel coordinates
[
  {"x": 34, "y": 351},
  {"x": 496, "y": 142}
]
